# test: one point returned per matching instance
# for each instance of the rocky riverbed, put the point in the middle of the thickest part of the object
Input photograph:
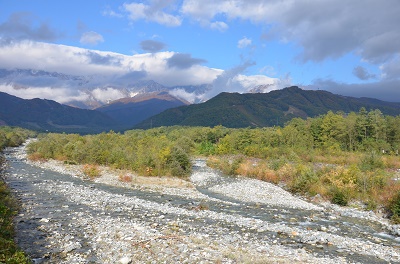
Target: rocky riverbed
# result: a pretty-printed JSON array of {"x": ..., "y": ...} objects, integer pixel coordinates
[{"x": 212, "y": 218}]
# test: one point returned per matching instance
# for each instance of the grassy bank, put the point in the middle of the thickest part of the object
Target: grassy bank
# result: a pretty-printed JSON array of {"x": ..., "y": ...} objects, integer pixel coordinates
[
  {"x": 368, "y": 178},
  {"x": 9, "y": 252}
]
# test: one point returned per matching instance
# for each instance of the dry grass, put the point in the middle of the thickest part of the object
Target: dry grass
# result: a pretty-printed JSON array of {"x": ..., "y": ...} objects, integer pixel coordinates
[
  {"x": 90, "y": 170},
  {"x": 125, "y": 178},
  {"x": 343, "y": 158},
  {"x": 36, "y": 157},
  {"x": 386, "y": 195},
  {"x": 170, "y": 182},
  {"x": 258, "y": 170},
  {"x": 391, "y": 161}
]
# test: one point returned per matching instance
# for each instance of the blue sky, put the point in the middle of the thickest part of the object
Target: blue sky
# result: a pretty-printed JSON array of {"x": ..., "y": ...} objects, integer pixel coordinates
[{"x": 347, "y": 47}]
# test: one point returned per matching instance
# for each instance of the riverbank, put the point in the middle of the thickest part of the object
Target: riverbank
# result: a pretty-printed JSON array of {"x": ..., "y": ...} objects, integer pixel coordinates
[
  {"x": 9, "y": 253},
  {"x": 209, "y": 219}
]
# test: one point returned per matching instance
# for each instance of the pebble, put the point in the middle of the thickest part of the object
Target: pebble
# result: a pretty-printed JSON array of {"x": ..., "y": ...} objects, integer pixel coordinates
[{"x": 125, "y": 260}]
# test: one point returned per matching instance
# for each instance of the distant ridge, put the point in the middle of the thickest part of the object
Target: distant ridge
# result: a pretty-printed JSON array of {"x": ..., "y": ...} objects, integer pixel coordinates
[
  {"x": 48, "y": 115},
  {"x": 132, "y": 110},
  {"x": 264, "y": 109}
]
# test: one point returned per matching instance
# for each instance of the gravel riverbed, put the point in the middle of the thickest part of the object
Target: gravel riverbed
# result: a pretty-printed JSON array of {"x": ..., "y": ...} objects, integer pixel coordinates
[{"x": 210, "y": 218}]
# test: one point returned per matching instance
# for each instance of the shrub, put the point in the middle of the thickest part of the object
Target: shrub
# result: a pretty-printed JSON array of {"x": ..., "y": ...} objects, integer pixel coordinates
[
  {"x": 179, "y": 162},
  {"x": 36, "y": 157},
  {"x": 258, "y": 170},
  {"x": 395, "y": 208},
  {"x": 276, "y": 164},
  {"x": 70, "y": 162},
  {"x": 339, "y": 196},
  {"x": 372, "y": 161},
  {"x": 287, "y": 173},
  {"x": 227, "y": 165},
  {"x": 306, "y": 176},
  {"x": 91, "y": 171},
  {"x": 125, "y": 178}
]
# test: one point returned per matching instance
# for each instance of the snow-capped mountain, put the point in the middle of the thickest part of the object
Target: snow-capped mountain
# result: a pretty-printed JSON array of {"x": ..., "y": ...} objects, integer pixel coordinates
[{"x": 91, "y": 91}]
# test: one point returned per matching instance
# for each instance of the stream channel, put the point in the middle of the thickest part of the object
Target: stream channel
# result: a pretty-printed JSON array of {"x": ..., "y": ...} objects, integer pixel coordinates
[{"x": 66, "y": 219}]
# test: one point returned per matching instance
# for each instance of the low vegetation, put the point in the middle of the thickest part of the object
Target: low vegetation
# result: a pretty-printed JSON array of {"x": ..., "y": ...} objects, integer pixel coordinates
[
  {"x": 91, "y": 171},
  {"x": 342, "y": 157},
  {"x": 9, "y": 252}
]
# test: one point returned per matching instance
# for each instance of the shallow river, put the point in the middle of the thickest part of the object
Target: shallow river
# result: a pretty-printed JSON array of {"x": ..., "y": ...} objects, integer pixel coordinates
[{"x": 65, "y": 219}]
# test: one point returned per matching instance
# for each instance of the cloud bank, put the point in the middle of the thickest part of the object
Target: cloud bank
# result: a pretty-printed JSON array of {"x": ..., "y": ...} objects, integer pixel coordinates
[{"x": 31, "y": 69}]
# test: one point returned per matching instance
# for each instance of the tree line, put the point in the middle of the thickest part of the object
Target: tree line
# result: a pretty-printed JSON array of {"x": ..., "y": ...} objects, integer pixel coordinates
[{"x": 167, "y": 150}]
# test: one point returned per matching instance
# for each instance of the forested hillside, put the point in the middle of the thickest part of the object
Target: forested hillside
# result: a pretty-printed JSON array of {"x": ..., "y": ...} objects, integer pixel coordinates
[
  {"x": 47, "y": 115},
  {"x": 132, "y": 110},
  {"x": 264, "y": 109}
]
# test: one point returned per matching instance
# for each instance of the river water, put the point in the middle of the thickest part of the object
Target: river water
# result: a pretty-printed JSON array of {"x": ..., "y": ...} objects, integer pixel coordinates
[{"x": 65, "y": 219}]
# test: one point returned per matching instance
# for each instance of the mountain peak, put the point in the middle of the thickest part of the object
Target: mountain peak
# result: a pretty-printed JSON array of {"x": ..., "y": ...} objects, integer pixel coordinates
[{"x": 265, "y": 109}]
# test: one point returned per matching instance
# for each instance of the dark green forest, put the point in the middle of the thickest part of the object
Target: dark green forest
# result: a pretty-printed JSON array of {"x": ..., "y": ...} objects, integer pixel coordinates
[{"x": 342, "y": 157}]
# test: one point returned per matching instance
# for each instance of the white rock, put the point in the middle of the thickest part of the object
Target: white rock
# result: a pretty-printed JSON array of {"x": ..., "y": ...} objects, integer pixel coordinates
[{"x": 125, "y": 260}]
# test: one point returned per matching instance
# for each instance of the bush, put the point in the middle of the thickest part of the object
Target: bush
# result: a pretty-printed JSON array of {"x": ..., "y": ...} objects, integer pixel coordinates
[
  {"x": 70, "y": 162},
  {"x": 125, "y": 178},
  {"x": 372, "y": 161},
  {"x": 394, "y": 208},
  {"x": 36, "y": 157},
  {"x": 257, "y": 169},
  {"x": 305, "y": 177},
  {"x": 91, "y": 171},
  {"x": 227, "y": 165},
  {"x": 339, "y": 197},
  {"x": 179, "y": 162}
]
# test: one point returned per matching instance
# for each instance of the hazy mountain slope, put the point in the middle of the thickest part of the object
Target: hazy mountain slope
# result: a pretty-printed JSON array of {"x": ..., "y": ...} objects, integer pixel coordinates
[
  {"x": 264, "y": 109},
  {"x": 130, "y": 111},
  {"x": 39, "y": 114}
]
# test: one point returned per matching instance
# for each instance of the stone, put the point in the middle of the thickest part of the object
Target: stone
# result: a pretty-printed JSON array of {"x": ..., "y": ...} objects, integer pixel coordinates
[{"x": 125, "y": 260}]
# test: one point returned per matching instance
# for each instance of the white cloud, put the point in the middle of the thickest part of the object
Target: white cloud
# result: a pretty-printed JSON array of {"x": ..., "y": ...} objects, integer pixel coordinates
[
  {"x": 64, "y": 73},
  {"x": 61, "y": 95},
  {"x": 102, "y": 67},
  {"x": 111, "y": 13},
  {"x": 54, "y": 58},
  {"x": 153, "y": 13},
  {"x": 107, "y": 94},
  {"x": 244, "y": 42},
  {"x": 91, "y": 38},
  {"x": 249, "y": 82},
  {"x": 181, "y": 93},
  {"x": 234, "y": 81},
  {"x": 219, "y": 25}
]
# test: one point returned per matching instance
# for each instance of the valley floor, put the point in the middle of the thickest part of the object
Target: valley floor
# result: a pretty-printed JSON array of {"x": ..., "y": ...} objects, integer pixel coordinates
[{"x": 209, "y": 219}]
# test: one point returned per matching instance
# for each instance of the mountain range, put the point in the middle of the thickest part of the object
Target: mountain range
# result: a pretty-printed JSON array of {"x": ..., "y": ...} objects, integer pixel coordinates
[
  {"x": 154, "y": 109},
  {"x": 264, "y": 109},
  {"x": 90, "y": 91},
  {"x": 48, "y": 115}
]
